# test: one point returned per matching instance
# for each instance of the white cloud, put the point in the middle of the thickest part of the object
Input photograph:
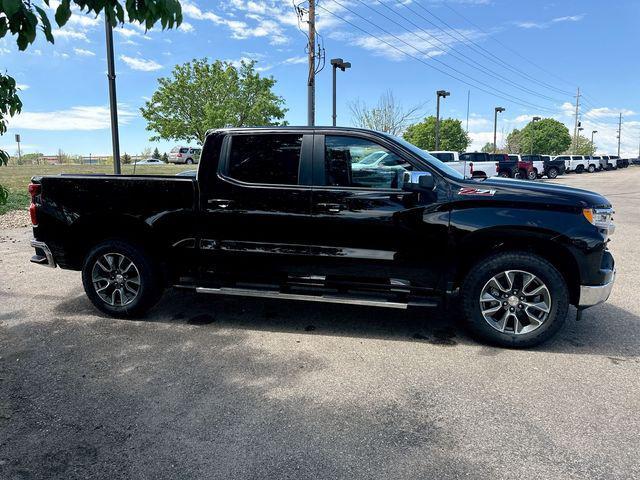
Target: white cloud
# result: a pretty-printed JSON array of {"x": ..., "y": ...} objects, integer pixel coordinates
[
  {"x": 140, "y": 64},
  {"x": 84, "y": 53},
  {"x": 547, "y": 24},
  {"x": 294, "y": 60},
  {"x": 186, "y": 27},
  {"x": 74, "y": 118},
  {"x": 606, "y": 112},
  {"x": 22, "y": 86},
  {"x": 70, "y": 33}
]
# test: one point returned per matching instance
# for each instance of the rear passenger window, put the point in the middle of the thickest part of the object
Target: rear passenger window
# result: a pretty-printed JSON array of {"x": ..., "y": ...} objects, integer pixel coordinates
[{"x": 272, "y": 159}]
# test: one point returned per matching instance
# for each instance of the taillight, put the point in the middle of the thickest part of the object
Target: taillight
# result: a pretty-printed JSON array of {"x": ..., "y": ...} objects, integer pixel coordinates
[
  {"x": 179, "y": 155},
  {"x": 471, "y": 169},
  {"x": 34, "y": 191},
  {"x": 497, "y": 166}
]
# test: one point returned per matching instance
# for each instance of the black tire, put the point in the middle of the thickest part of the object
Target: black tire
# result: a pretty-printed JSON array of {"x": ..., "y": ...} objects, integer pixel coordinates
[
  {"x": 532, "y": 175},
  {"x": 552, "y": 173},
  {"x": 484, "y": 270},
  {"x": 592, "y": 168},
  {"x": 150, "y": 285},
  {"x": 503, "y": 174},
  {"x": 189, "y": 161},
  {"x": 580, "y": 169}
]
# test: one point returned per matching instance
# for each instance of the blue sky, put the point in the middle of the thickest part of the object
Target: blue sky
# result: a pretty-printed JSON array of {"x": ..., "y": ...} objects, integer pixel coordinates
[{"x": 496, "y": 45}]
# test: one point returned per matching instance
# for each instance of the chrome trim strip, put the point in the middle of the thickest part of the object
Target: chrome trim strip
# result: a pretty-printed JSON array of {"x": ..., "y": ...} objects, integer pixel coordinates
[
  {"x": 591, "y": 295},
  {"x": 242, "y": 292},
  {"x": 47, "y": 252}
]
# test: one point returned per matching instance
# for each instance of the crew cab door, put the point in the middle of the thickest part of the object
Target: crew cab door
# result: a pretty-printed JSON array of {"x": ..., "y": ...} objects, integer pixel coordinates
[
  {"x": 256, "y": 208},
  {"x": 366, "y": 226}
]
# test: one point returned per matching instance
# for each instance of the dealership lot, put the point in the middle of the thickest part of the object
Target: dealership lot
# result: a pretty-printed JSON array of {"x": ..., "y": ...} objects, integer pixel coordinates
[{"x": 250, "y": 388}]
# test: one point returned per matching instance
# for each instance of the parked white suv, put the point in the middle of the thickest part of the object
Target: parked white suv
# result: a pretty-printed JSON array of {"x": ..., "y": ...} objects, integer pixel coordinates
[
  {"x": 579, "y": 163},
  {"x": 186, "y": 155}
]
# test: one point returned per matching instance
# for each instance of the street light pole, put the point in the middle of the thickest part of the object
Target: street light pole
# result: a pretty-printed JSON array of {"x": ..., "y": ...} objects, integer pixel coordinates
[
  {"x": 580, "y": 129},
  {"x": 337, "y": 63},
  {"x": 495, "y": 127},
  {"x": 593, "y": 149},
  {"x": 443, "y": 94},
  {"x": 533, "y": 131},
  {"x": 113, "y": 103}
]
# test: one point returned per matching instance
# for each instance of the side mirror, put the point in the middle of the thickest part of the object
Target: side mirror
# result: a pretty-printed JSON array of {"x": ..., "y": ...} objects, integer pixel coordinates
[{"x": 419, "y": 181}]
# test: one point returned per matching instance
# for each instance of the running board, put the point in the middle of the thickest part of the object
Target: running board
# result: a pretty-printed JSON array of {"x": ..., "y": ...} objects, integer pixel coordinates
[{"x": 243, "y": 292}]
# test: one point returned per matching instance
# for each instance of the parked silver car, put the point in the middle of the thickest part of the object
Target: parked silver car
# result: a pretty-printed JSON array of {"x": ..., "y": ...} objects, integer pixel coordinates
[{"x": 186, "y": 155}]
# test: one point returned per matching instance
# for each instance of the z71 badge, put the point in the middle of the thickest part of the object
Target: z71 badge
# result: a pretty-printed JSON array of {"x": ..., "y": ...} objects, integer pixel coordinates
[{"x": 477, "y": 191}]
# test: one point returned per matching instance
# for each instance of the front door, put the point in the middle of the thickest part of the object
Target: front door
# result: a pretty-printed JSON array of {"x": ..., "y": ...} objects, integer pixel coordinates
[
  {"x": 365, "y": 224},
  {"x": 256, "y": 211}
]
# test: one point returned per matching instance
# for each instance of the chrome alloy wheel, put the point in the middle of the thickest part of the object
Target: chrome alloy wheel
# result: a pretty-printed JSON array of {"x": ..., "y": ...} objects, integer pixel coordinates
[
  {"x": 116, "y": 279},
  {"x": 515, "y": 302}
]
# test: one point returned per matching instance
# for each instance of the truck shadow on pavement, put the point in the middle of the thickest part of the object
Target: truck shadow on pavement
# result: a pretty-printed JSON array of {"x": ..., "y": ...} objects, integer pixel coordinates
[{"x": 604, "y": 330}]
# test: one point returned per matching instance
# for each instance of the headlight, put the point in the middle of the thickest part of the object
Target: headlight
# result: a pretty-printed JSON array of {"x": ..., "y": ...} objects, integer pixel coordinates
[{"x": 602, "y": 218}]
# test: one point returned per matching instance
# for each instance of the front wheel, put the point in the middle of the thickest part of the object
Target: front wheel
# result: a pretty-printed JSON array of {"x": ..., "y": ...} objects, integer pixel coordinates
[
  {"x": 189, "y": 161},
  {"x": 552, "y": 173},
  {"x": 592, "y": 168},
  {"x": 503, "y": 174},
  {"x": 120, "y": 279},
  {"x": 532, "y": 175},
  {"x": 515, "y": 299}
]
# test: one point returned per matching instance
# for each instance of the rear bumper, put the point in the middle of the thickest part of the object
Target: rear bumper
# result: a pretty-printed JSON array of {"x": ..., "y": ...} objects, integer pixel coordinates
[
  {"x": 591, "y": 295},
  {"x": 43, "y": 254}
]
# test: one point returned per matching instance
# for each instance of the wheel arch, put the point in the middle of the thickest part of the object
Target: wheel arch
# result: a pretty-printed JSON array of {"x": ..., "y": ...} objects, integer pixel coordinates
[{"x": 483, "y": 243}]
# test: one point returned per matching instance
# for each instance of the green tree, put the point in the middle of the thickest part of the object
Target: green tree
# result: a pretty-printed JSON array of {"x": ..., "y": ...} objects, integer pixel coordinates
[
  {"x": 156, "y": 154},
  {"x": 126, "y": 158},
  {"x": 514, "y": 142},
  {"x": 201, "y": 95},
  {"x": 165, "y": 157},
  {"x": 10, "y": 103},
  {"x": 30, "y": 158},
  {"x": 545, "y": 137},
  {"x": 488, "y": 148},
  {"x": 452, "y": 135},
  {"x": 585, "y": 147}
]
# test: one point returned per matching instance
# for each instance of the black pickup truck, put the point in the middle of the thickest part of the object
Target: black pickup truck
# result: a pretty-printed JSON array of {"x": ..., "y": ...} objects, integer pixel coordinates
[{"x": 332, "y": 215}]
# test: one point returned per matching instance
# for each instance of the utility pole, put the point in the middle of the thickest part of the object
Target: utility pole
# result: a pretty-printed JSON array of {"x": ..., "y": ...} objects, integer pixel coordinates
[
  {"x": 443, "y": 94},
  {"x": 311, "y": 85},
  {"x": 337, "y": 63},
  {"x": 619, "y": 133},
  {"x": 19, "y": 153},
  {"x": 468, "y": 105},
  {"x": 495, "y": 127},
  {"x": 575, "y": 130},
  {"x": 113, "y": 103}
]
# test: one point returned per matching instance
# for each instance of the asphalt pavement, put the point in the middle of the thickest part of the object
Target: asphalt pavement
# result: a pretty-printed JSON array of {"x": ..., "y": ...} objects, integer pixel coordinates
[{"x": 230, "y": 388}]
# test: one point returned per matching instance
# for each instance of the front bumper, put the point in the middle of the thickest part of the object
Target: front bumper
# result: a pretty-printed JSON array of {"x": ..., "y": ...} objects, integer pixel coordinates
[
  {"x": 591, "y": 295},
  {"x": 43, "y": 254}
]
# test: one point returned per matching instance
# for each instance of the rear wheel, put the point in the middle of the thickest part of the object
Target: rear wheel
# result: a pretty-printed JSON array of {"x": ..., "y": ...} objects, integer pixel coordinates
[
  {"x": 532, "y": 175},
  {"x": 580, "y": 169},
  {"x": 515, "y": 299},
  {"x": 592, "y": 168},
  {"x": 120, "y": 279},
  {"x": 503, "y": 174},
  {"x": 552, "y": 173},
  {"x": 189, "y": 161}
]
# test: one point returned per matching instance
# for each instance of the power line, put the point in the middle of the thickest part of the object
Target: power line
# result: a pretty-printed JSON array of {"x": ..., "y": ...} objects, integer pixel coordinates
[
  {"x": 511, "y": 50},
  {"x": 501, "y": 94},
  {"x": 473, "y": 63},
  {"x": 470, "y": 43}
]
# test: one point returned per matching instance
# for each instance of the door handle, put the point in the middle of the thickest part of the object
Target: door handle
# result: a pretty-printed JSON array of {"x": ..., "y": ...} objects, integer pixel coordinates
[
  {"x": 219, "y": 202},
  {"x": 330, "y": 207}
]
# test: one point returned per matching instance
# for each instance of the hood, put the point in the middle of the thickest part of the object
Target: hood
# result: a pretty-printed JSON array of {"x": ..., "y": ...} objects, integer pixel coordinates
[{"x": 539, "y": 192}]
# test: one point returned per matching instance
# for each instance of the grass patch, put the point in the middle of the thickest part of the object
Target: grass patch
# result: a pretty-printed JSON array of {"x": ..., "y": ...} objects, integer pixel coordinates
[{"x": 16, "y": 178}]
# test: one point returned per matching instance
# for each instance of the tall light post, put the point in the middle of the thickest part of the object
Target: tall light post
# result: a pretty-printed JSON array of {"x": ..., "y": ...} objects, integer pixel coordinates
[
  {"x": 495, "y": 127},
  {"x": 533, "y": 131},
  {"x": 580, "y": 129},
  {"x": 439, "y": 94},
  {"x": 593, "y": 149},
  {"x": 337, "y": 63},
  {"x": 113, "y": 103}
]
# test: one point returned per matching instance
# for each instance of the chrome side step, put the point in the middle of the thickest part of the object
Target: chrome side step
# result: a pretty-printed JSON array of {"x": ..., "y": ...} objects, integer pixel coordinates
[{"x": 243, "y": 292}]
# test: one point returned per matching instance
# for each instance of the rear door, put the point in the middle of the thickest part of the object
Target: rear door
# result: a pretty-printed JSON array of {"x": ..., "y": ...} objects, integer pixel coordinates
[
  {"x": 365, "y": 225},
  {"x": 256, "y": 208}
]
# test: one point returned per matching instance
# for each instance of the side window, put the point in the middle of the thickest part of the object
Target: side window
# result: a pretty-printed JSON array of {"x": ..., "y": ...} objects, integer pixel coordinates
[
  {"x": 272, "y": 159},
  {"x": 447, "y": 157},
  {"x": 466, "y": 157},
  {"x": 356, "y": 162}
]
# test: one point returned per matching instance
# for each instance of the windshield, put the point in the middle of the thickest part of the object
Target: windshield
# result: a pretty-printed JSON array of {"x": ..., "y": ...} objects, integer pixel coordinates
[
  {"x": 429, "y": 159},
  {"x": 372, "y": 158}
]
